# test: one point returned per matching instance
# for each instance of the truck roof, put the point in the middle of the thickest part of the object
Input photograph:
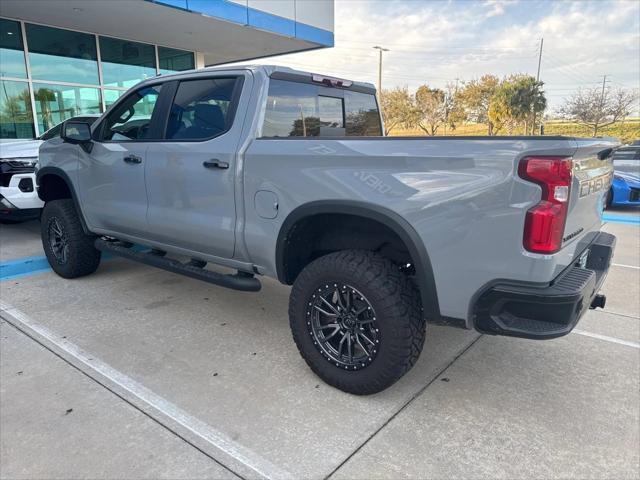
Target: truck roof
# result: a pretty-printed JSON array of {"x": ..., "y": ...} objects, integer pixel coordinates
[{"x": 268, "y": 71}]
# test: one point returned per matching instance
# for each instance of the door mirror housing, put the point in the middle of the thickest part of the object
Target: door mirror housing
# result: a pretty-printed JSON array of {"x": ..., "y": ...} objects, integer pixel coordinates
[{"x": 76, "y": 132}]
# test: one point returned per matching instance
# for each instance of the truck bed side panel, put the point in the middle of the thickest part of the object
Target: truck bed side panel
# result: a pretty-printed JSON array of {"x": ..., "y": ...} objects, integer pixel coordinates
[{"x": 463, "y": 197}]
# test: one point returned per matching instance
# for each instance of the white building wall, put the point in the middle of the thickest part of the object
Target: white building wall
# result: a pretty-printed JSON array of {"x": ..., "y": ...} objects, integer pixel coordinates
[{"x": 317, "y": 13}]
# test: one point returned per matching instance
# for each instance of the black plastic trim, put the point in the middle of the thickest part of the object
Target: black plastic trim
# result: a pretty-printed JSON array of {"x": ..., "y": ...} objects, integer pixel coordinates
[
  {"x": 308, "y": 78},
  {"x": 542, "y": 311},
  {"x": 424, "y": 271},
  {"x": 58, "y": 172}
]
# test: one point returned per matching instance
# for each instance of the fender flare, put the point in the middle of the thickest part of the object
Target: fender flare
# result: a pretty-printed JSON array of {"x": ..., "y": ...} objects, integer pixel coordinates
[
  {"x": 404, "y": 230},
  {"x": 58, "y": 172}
]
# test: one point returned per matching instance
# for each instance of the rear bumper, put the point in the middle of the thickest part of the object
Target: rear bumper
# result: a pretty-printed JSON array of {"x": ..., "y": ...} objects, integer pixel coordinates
[{"x": 546, "y": 311}]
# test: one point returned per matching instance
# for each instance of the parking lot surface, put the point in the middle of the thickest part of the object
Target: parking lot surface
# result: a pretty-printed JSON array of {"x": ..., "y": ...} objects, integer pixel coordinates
[{"x": 188, "y": 358}]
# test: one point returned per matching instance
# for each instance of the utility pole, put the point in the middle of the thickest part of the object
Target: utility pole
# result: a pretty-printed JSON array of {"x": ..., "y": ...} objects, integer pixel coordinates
[
  {"x": 539, "y": 59},
  {"x": 601, "y": 113},
  {"x": 380, "y": 49},
  {"x": 604, "y": 81},
  {"x": 535, "y": 114}
]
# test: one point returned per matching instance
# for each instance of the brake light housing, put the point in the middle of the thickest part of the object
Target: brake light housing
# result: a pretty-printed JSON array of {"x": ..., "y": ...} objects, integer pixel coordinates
[{"x": 545, "y": 222}]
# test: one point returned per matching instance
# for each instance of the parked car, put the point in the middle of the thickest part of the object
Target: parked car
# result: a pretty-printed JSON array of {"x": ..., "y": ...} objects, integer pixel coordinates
[
  {"x": 625, "y": 189},
  {"x": 18, "y": 198},
  {"x": 282, "y": 173}
]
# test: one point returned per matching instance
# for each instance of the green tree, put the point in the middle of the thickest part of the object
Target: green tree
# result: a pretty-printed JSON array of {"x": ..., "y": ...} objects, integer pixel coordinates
[
  {"x": 528, "y": 101},
  {"x": 398, "y": 109},
  {"x": 517, "y": 100},
  {"x": 501, "y": 114},
  {"x": 475, "y": 99}
]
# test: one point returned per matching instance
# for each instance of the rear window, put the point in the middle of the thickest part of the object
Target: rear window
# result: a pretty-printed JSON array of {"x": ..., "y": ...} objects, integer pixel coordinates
[{"x": 306, "y": 110}]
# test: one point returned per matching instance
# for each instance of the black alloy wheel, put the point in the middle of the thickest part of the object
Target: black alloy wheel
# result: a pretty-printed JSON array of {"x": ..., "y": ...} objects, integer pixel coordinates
[
  {"x": 58, "y": 240},
  {"x": 343, "y": 325}
]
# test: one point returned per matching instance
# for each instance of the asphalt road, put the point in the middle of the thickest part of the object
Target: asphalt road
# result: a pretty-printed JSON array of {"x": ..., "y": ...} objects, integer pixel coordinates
[{"x": 139, "y": 373}]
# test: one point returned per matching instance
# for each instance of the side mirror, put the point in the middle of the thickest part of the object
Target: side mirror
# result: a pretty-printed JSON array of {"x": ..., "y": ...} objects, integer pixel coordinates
[{"x": 76, "y": 132}]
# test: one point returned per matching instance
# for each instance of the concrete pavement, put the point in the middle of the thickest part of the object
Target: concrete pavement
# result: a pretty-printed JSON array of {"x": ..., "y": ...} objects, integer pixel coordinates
[{"x": 473, "y": 406}]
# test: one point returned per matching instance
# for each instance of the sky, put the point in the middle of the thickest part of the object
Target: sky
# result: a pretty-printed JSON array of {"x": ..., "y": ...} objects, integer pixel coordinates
[{"x": 438, "y": 42}]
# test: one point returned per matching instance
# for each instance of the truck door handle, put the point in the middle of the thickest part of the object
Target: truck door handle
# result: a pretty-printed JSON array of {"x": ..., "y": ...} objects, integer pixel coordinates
[
  {"x": 133, "y": 159},
  {"x": 215, "y": 164}
]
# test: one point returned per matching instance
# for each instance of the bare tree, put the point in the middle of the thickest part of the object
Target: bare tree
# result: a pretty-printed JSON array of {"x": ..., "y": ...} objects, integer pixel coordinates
[
  {"x": 431, "y": 109},
  {"x": 596, "y": 108},
  {"x": 398, "y": 109}
]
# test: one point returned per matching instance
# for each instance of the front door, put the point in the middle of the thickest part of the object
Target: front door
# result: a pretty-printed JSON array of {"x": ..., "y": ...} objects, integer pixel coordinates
[
  {"x": 190, "y": 176},
  {"x": 111, "y": 174}
]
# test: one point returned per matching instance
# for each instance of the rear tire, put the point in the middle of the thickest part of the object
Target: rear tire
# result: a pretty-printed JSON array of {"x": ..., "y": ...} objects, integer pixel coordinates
[
  {"x": 385, "y": 338},
  {"x": 69, "y": 250}
]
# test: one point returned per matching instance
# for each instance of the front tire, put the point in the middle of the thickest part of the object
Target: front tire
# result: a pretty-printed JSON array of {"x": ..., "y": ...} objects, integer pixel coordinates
[
  {"x": 357, "y": 320},
  {"x": 69, "y": 250}
]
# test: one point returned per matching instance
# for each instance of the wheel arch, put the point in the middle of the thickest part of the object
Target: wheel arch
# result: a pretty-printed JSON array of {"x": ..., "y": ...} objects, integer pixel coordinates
[
  {"x": 390, "y": 219},
  {"x": 54, "y": 184}
]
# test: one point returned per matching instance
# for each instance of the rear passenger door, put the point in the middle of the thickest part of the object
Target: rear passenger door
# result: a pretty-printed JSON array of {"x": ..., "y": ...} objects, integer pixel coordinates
[{"x": 190, "y": 174}]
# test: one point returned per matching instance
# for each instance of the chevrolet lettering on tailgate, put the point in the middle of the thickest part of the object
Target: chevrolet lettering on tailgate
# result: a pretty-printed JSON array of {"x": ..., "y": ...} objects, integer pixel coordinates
[{"x": 587, "y": 187}]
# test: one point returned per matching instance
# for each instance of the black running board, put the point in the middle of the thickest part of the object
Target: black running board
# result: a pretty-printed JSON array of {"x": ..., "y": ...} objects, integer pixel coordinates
[{"x": 240, "y": 281}]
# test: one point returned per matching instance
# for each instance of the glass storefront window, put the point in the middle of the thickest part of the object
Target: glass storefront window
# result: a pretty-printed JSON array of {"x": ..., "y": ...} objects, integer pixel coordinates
[
  {"x": 16, "y": 119},
  {"x": 55, "y": 103},
  {"x": 62, "y": 55},
  {"x": 126, "y": 63},
  {"x": 173, "y": 60},
  {"x": 110, "y": 96},
  {"x": 11, "y": 50},
  {"x": 56, "y": 55}
]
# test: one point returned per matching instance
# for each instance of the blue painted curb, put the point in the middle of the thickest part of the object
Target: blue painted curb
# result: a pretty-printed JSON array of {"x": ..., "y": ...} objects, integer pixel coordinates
[{"x": 621, "y": 219}]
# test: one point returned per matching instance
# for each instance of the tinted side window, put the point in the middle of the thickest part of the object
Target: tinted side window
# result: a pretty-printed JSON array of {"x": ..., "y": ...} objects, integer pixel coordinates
[
  {"x": 130, "y": 120},
  {"x": 201, "y": 109},
  {"x": 362, "y": 115},
  {"x": 306, "y": 110}
]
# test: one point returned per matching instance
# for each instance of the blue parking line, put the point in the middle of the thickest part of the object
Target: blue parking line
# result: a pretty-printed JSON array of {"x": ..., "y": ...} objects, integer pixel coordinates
[
  {"x": 621, "y": 219},
  {"x": 25, "y": 266}
]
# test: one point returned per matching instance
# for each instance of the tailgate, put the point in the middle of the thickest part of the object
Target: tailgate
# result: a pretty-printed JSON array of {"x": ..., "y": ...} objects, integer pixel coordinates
[{"x": 592, "y": 176}]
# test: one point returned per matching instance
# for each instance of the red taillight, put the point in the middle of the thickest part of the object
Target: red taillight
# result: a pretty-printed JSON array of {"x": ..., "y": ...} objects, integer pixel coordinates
[{"x": 544, "y": 223}]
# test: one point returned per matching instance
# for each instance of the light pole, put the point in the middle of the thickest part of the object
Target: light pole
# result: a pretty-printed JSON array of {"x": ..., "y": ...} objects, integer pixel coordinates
[{"x": 380, "y": 50}]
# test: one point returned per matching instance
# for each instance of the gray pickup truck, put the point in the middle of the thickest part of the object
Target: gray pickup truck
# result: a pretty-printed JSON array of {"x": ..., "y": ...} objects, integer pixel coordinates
[{"x": 276, "y": 172}]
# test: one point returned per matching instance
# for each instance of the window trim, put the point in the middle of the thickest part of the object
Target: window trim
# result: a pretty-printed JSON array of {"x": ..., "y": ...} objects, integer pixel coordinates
[{"x": 231, "y": 115}]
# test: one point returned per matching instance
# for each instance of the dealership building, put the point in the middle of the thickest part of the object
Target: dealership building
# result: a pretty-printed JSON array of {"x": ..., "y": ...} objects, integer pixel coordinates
[{"x": 62, "y": 58}]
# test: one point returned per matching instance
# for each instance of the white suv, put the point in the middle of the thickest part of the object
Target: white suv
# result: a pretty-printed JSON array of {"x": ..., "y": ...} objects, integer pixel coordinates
[{"x": 18, "y": 195}]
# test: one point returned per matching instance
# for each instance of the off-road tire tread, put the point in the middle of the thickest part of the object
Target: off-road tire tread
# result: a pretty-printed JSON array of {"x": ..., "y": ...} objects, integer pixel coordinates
[
  {"x": 398, "y": 305},
  {"x": 84, "y": 258}
]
